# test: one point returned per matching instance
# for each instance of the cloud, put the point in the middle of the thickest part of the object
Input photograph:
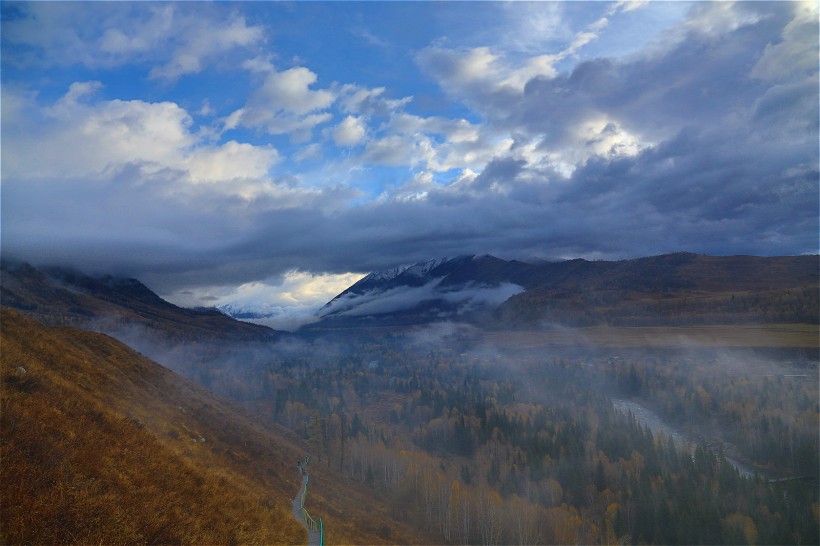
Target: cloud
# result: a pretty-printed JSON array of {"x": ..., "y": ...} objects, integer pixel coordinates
[
  {"x": 704, "y": 140},
  {"x": 286, "y": 104},
  {"x": 532, "y": 25},
  {"x": 478, "y": 73},
  {"x": 174, "y": 39},
  {"x": 289, "y": 300},
  {"x": 484, "y": 74},
  {"x": 290, "y": 91},
  {"x": 795, "y": 53},
  {"x": 78, "y": 136},
  {"x": 433, "y": 143},
  {"x": 355, "y": 99},
  {"x": 398, "y": 150},
  {"x": 201, "y": 41},
  {"x": 350, "y": 132},
  {"x": 402, "y": 298}
]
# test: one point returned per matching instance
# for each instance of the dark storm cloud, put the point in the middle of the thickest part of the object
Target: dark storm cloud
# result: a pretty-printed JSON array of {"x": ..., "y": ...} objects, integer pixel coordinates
[{"x": 698, "y": 78}]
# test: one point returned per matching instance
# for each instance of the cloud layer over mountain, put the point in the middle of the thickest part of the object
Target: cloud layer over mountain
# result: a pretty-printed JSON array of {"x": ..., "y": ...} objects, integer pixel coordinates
[{"x": 133, "y": 144}]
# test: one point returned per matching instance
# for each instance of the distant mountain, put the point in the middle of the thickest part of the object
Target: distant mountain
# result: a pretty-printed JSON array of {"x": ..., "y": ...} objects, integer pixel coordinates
[
  {"x": 245, "y": 312},
  {"x": 114, "y": 305},
  {"x": 444, "y": 288},
  {"x": 680, "y": 288}
]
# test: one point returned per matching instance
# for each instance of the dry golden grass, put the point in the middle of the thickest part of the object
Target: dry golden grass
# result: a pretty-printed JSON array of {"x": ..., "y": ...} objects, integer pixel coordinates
[
  {"x": 92, "y": 452},
  {"x": 102, "y": 445}
]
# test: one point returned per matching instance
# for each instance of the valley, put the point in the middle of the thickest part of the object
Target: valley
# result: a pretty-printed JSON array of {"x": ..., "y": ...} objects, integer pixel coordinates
[
  {"x": 427, "y": 433},
  {"x": 520, "y": 442},
  {"x": 484, "y": 273}
]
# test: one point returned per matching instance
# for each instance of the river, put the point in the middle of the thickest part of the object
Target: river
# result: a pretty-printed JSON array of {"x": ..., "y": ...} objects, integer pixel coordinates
[{"x": 647, "y": 417}]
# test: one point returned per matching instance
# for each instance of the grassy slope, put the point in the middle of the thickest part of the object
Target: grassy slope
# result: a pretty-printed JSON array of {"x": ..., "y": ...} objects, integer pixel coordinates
[{"x": 98, "y": 445}]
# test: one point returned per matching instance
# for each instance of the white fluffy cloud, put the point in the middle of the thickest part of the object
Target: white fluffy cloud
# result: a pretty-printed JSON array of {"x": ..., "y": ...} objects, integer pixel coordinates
[
  {"x": 350, "y": 132},
  {"x": 433, "y": 144},
  {"x": 479, "y": 73},
  {"x": 286, "y": 104},
  {"x": 199, "y": 42},
  {"x": 290, "y": 91},
  {"x": 230, "y": 161},
  {"x": 398, "y": 151},
  {"x": 80, "y": 136},
  {"x": 355, "y": 99}
]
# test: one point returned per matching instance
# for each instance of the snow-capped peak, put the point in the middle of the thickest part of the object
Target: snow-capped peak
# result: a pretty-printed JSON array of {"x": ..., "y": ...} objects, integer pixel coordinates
[
  {"x": 418, "y": 270},
  {"x": 423, "y": 268},
  {"x": 385, "y": 275}
]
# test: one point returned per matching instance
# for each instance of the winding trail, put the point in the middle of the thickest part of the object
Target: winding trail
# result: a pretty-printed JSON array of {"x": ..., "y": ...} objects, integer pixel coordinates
[{"x": 314, "y": 527}]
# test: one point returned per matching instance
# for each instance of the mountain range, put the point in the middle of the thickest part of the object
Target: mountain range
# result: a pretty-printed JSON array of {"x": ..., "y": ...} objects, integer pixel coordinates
[
  {"x": 486, "y": 291},
  {"x": 680, "y": 288}
]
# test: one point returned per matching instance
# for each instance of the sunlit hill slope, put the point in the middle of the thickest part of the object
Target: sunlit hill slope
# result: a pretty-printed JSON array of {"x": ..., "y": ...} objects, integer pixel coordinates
[{"x": 102, "y": 445}]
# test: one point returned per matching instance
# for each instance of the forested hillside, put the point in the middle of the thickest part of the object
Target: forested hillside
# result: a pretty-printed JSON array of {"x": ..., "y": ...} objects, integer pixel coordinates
[{"x": 673, "y": 289}]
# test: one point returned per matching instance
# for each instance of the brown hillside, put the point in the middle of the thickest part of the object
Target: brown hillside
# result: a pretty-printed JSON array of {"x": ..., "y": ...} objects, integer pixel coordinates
[
  {"x": 674, "y": 289},
  {"x": 100, "y": 444}
]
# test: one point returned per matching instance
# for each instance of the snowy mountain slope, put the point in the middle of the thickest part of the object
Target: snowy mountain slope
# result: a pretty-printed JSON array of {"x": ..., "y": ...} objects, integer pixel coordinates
[{"x": 438, "y": 289}]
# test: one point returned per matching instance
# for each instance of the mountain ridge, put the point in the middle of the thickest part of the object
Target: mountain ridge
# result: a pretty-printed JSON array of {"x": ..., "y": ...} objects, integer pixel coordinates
[
  {"x": 65, "y": 297},
  {"x": 580, "y": 292}
]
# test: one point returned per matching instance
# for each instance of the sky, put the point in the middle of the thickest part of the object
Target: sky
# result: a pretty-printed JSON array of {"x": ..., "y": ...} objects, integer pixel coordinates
[{"x": 269, "y": 154}]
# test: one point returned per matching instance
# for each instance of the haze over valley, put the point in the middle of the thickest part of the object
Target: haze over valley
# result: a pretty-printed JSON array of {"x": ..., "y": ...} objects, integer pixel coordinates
[
  {"x": 410, "y": 273},
  {"x": 484, "y": 420}
]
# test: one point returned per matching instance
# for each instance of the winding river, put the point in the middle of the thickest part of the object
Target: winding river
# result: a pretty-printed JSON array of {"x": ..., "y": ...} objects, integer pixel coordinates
[{"x": 647, "y": 417}]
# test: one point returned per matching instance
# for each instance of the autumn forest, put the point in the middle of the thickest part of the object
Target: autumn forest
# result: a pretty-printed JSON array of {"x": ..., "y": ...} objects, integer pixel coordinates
[{"x": 497, "y": 445}]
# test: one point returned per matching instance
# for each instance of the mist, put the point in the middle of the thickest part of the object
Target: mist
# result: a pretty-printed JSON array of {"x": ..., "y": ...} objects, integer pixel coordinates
[
  {"x": 402, "y": 298},
  {"x": 558, "y": 417}
]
